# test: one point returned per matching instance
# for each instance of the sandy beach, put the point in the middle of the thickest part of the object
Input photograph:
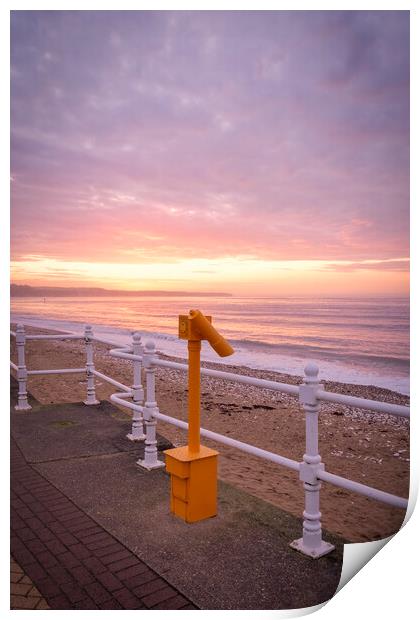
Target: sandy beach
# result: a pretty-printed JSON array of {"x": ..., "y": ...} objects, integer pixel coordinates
[{"x": 369, "y": 448}]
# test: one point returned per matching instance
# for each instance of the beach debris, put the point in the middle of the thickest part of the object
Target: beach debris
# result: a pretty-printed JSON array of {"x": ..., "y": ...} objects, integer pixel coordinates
[{"x": 266, "y": 407}]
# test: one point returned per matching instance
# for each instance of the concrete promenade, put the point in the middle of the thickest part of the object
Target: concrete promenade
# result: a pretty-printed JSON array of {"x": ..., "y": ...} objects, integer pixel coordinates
[{"x": 92, "y": 530}]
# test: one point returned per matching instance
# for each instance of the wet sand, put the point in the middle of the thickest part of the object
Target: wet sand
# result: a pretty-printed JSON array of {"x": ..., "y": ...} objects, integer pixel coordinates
[{"x": 370, "y": 448}]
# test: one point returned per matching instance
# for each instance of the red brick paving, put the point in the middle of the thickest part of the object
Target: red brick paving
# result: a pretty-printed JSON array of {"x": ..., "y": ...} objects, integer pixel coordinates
[
  {"x": 23, "y": 593},
  {"x": 73, "y": 562}
]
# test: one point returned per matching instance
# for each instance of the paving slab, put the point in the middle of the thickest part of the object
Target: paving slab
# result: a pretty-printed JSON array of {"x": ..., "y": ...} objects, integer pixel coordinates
[
  {"x": 240, "y": 559},
  {"x": 51, "y": 432}
]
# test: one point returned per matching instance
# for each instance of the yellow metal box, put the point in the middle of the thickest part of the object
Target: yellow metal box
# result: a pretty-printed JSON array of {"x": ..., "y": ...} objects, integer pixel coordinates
[
  {"x": 174, "y": 466},
  {"x": 193, "y": 496},
  {"x": 179, "y": 487}
]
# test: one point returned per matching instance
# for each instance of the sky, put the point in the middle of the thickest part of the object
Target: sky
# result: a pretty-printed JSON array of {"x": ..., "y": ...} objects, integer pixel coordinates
[{"x": 244, "y": 152}]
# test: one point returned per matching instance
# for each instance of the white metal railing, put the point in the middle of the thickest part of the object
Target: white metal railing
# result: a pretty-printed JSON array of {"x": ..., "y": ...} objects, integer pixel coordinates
[{"x": 146, "y": 413}]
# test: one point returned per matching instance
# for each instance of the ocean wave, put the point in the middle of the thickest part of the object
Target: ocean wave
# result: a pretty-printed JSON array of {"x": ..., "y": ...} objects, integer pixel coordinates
[
  {"x": 306, "y": 350},
  {"x": 351, "y": 354}
]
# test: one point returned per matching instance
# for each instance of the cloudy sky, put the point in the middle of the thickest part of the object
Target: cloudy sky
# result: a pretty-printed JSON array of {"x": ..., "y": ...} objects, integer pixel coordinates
[{"x": 250, "y": 152}]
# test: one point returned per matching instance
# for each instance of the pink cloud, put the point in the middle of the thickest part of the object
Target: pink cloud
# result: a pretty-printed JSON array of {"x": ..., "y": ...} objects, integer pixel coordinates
[{"x": 280, "y": 135}]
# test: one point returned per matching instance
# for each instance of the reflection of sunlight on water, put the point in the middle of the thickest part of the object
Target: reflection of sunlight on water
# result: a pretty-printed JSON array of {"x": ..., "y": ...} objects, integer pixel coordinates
[{"x": 359, "y": 340}]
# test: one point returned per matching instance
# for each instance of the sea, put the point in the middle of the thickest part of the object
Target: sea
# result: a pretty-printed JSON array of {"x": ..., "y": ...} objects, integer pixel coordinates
[{"x": 353, "y": 340}]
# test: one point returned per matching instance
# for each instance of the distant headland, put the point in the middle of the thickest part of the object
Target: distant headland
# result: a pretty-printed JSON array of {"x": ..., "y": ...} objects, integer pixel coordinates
[{"x": 24, "y": 290}]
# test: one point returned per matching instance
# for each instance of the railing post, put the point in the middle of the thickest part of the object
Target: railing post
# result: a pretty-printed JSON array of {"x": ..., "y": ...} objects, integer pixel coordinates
[
  {"x": 91, "y": 396},
  {"x": 150, "y": 460},
  {"x": 22, "y": 373},
  {"x": 137, "y": 433},
  {"x": 311, "y": 542}
]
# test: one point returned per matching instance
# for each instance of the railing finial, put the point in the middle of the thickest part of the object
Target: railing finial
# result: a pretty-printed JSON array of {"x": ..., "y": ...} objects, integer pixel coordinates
[
  {"x": 311, "y": 373},
  {"x": 150, "y": 346}
]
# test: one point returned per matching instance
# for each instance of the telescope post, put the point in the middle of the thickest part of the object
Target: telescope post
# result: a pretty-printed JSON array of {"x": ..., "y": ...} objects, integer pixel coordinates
[{"x": 193, "y": 468}]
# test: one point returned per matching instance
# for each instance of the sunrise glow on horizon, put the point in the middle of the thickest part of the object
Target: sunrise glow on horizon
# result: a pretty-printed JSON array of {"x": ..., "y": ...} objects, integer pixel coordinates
[
  {"x": 248, "y": 153},
  {"x": 236, "y": 276}
]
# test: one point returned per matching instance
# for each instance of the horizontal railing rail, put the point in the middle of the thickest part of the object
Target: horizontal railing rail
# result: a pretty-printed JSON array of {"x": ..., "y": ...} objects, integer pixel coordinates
[
  {"x": 230, "y": 376},
  {"x": 145, "y": 414},
  {"x": 344, "y": 399},
  {"x": 363, "y": 489},
  {"x": 350, "y": 485},
  {"x": 56, "y": 371},
  {"x": 111, "y": 381},
  {"x": 227, "y": 441},
  {"x": 53, "y": 337},
  {"x": 364, "y": 403}
]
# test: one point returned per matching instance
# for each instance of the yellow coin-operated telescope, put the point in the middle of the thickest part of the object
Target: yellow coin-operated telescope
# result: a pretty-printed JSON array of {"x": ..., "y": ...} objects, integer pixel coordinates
[{"x": 193, "y": 468}]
